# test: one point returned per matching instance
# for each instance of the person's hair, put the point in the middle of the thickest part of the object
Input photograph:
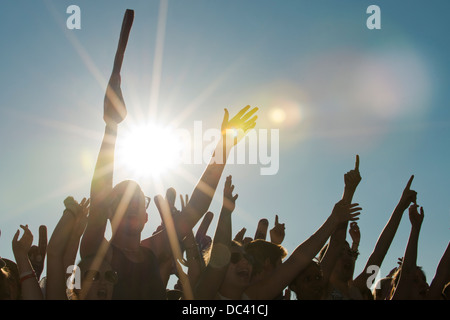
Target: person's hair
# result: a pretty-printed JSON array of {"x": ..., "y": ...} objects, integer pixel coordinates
[
  {"x": 9, "y": 274},
  {"x": 446, "y": 292},
  {"x": 261, "y": 250},
  {"x": 380, "y": 286},
  {"x": 396, "y": 277}
]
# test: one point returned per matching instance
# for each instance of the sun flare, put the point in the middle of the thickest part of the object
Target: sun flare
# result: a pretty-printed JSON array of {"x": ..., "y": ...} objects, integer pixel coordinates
[{"x": 149, "y": 150}]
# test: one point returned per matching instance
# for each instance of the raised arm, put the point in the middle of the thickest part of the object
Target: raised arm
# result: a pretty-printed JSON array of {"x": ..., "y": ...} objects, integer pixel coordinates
[
  {"x": 351, "y": 181},
  {"x": 60, "y": 251},
  {"x": 441, "y": 278},
  {"x": 302, "y": 256},
  {"x": 387, "y": 235},
  {"x": 211, "y": 280},
  {"x": 28, "y": 280},
  {"x": 277, "y": 233},
  {"x": 114, "y": 112},
  {"x": 193, "y": 246},
  {"x": 404, "y": 289},
  {"x": 233, "y": 130}
]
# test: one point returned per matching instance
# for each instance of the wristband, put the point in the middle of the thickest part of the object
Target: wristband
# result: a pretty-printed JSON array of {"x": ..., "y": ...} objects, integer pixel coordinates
[{"x": 27, "y": 275}]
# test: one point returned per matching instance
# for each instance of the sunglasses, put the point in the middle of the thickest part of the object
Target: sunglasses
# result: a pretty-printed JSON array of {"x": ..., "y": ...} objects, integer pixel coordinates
[
  {"x": 93, "y": 276},
  {"x": 238, "y": 256},
  {"x": 116, "y": 201}
]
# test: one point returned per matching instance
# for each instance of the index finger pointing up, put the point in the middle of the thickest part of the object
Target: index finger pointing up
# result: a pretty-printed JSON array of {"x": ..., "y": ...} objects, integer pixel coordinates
[
  {"x": 408, "y": 185},
  {"x": 357, "y": 163}
]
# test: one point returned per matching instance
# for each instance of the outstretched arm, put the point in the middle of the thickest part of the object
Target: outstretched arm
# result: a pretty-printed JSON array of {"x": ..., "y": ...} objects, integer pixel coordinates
[
  {"x": 351, "y": 181},
  {"x": 61, "y": 251},
  {"x": 28, "y": 280},
  {"x": 212, "y": 278},
  {"x": 303, "y": 254},
  {"x": 232, "y": 132},
  {"x": 102, "y": 182},
  {"x": 403, "y": 289},
  {"x": 387, "y": 235}
]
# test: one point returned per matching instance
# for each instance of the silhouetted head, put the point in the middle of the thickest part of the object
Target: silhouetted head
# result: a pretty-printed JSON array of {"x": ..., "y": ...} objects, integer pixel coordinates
[
  {"x": 128, "y": 206},
  {"x": 266, "y": 255},
  {"x": 240, "y": 267},
  {"x": 309, "y": 284},
  {"x": 97, "y": 280},
  {"x": 9, "y": 280}
]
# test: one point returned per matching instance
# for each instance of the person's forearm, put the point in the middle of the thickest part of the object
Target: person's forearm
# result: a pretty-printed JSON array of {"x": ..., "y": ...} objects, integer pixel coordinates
[
  {"x": 403, "y": 289},
  {"x": 29, "y": 284},
  {"x": 203, "y": 193},
  {"x": 386, "y": 237},
  {"x": 102, "y": 179},
  {"x": 348, "y": 194},
  {"x": 101, "y": 187}
]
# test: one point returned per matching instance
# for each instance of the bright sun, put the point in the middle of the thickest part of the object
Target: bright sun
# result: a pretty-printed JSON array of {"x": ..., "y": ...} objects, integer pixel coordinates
[{"x": 149, "y": 150}]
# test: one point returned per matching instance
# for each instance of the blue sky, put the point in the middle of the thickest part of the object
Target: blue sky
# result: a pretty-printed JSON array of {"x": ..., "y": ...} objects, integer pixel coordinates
[{"x": 342, "y": 88}]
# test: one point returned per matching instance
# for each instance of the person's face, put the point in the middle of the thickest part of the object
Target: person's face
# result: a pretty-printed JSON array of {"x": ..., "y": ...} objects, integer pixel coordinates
[
  {"x": 130, "y": 214},
  {"x": 98, "y": 283},
  {"x": 309, "y": 284},
  {"x": 239, "y": 269},
  {"x": 345, "y": 264}
]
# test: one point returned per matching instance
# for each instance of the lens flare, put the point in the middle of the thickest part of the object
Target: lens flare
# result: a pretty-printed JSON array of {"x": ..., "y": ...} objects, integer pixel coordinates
[{"x": 149, "y": 150}]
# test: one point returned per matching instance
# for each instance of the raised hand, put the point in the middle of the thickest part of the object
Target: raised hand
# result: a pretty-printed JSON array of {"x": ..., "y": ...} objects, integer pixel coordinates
[
  {"x": 114, "y": 104},
  {"x": 261, "y": 229},
  {"x": 277, "y": 233},
  {"x": 36, "y": 254},
  {"x": 229, "y": 201},
  {"x": 81, "y": 217},
  {"x": 408, "y": 196},
  {"x": 239, "y": 237},
  {"x": 236, "y": 128},
  {"x": 22, "y": 247},
  {"x": 354, "y": 232},
  {"x": 343, "y": 212},
  {"x": 203, "y": 240},
  {"x": 353, "y": 177},
  {"x": 415, "y": 217},
  {"x": 168, "y": 203}
]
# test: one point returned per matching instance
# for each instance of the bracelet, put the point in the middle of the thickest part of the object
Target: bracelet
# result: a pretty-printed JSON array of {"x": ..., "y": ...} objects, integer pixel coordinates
[{"x": 27, "y": 275}]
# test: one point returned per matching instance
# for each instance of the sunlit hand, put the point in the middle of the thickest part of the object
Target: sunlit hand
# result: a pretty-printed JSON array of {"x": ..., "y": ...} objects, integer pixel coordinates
[
  {"x": 235, "y": 129},
  {"x": 277, "y": 233}
]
